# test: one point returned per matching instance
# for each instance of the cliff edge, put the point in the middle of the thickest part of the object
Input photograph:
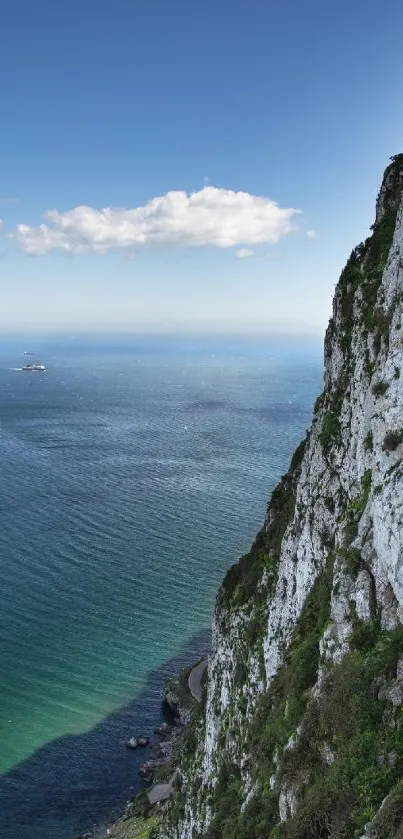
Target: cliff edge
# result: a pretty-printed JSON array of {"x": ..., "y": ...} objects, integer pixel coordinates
[{"x": 301, "y": 731}]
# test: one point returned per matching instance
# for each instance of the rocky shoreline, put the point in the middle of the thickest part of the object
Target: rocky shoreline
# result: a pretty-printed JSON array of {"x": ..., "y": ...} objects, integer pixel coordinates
[
  {"x": 179, "y": 704},
  {"x": 159, "y": 773}
]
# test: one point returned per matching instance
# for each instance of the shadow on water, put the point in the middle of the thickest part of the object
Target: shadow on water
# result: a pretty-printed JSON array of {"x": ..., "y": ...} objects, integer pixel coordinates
[{"x": 79, "y": 781}]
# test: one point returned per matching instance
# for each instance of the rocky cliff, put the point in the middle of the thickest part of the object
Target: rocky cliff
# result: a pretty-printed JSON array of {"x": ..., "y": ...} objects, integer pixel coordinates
[{"x": 301, "y": 731}]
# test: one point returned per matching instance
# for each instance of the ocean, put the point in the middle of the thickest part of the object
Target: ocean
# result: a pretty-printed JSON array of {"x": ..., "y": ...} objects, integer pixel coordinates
[{"x": 134, "y": 472}]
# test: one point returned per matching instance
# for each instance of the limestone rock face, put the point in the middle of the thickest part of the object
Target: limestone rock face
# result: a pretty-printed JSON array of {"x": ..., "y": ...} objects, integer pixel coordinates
[{"x": 338, "y": 512}]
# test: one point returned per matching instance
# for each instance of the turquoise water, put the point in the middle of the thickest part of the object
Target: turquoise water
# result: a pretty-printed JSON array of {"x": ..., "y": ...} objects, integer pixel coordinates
[{"x": 132, "y": 475}]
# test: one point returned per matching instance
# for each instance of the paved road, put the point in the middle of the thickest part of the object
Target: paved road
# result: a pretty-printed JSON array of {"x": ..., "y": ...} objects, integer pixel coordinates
[
  {"x": 160, "y": 792},
  {"x": 195, "y": 677}
]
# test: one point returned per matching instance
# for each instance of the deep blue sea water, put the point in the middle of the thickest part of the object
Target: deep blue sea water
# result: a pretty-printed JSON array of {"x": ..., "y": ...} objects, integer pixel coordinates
[{"x": 133, "y": 473}]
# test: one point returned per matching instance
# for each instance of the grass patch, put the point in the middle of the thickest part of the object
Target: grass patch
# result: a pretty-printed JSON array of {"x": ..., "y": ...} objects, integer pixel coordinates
[
  {"x": 330, "y": 433},
  {"x": 135, "y": 828}
]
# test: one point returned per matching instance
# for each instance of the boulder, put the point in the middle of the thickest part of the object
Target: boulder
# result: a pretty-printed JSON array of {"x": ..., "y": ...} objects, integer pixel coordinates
[
  {"x": 164, "y": 730},
  {"x": 147, "y": 770}
]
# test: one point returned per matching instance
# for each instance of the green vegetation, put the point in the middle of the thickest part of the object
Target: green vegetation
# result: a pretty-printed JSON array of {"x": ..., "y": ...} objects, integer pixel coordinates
[
  {"x": 380, "y": 388},
  {"x": 360, "y": 281},
  {"x": 361, "y": 729},
  {"x": 365, "y": 633},
  {"x": 179, "y": 688},
  {"x": 365, "y": 735},
  {"x": 338, "y": 748},
  {"x": 356, "y": 508},
  {"x": 389, "y": 821},
  {"x": 369, "y": 442},
  {"x": 277, "y": 716},
  {"x": 329, "y": 503},
  {"x": 241, "y": 581},
  {"x": 330, "y": 433},
  {"x": 369, "y": 365},
  {"x": 352, "y": 560},
  {"x": 319, "y": 402},
  {"x": 135, "y": 828},
  {"x": 349, "y": 282},
  {"x": 392, "y": 440},
  {"x": 359, "y": 504}
]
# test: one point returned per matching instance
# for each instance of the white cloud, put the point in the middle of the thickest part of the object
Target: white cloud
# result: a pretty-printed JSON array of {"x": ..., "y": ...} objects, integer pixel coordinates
[
  {"x": 311, "y": 234},
  {"x": 244, "y": 253},
  {"x": 212, "y": 217}
]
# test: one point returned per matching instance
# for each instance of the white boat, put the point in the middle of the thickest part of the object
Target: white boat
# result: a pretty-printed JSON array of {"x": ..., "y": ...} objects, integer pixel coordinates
[{"x": 34, "y": 368}]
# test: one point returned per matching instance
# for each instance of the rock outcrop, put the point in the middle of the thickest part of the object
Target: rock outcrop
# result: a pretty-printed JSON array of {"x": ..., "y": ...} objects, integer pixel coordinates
[{"x": 301, "y": 733}]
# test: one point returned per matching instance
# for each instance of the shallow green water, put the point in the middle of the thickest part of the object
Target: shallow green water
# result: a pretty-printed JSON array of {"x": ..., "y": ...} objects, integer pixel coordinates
[{"x": 132, "y": 475}]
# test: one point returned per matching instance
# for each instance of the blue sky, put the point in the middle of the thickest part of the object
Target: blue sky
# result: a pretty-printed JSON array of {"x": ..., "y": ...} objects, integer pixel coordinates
[{"x": 245, "y": 103}]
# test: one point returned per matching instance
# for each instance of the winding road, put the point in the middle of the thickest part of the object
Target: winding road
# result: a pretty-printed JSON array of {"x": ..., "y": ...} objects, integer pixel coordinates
[
  {"x": 161, "y": 792},
  {"x": 195, "y": 677}
]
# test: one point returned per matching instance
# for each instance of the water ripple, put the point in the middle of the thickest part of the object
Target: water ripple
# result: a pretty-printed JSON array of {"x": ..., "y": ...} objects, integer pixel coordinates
[{"x": 130, "y": 481}]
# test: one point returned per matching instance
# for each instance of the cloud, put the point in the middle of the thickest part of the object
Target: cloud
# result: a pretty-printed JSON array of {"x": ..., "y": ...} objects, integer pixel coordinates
[
  {"x": 311, "y": 234},
  {"x": 244, "y": 253},
  {"x": 212, "y": 217}
]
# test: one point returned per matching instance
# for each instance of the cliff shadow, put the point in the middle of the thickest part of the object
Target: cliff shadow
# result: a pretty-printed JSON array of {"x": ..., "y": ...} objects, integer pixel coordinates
[{"x": 78, "y": 782}]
